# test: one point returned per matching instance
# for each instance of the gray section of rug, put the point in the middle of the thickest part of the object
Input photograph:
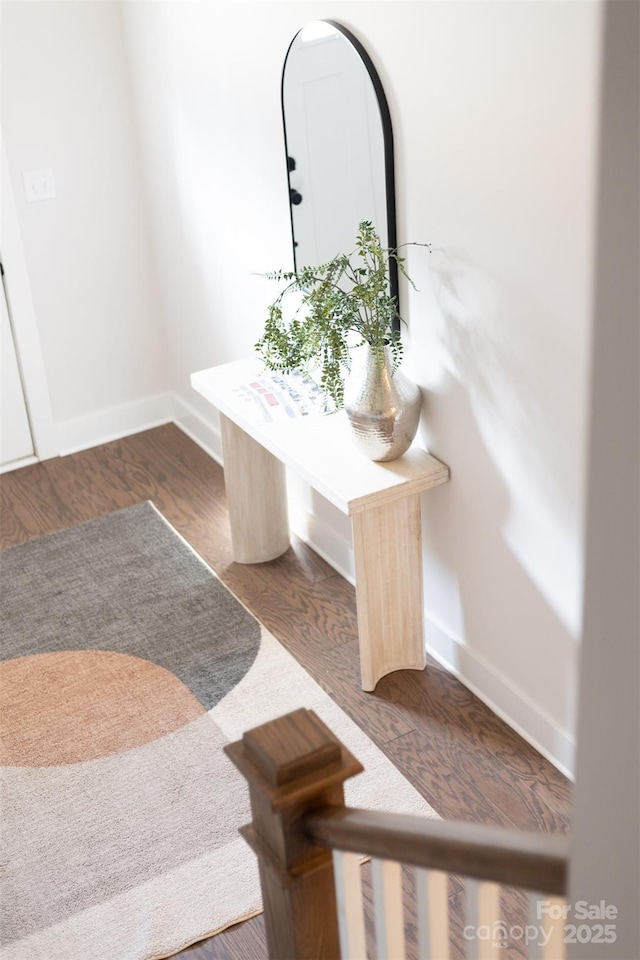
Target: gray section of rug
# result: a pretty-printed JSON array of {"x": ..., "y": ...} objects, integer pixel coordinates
[{"x": 126, "y": 583}]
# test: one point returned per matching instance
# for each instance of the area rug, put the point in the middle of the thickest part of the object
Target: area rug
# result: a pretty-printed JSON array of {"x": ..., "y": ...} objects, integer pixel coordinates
[{"x": 127, "y": 666}]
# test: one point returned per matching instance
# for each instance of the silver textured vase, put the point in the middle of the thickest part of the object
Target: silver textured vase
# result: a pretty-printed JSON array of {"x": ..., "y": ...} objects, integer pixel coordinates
[{"x": 383, "y": 406}]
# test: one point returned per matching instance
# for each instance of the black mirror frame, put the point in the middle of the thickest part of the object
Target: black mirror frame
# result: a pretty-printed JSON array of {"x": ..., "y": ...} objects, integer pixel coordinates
[{"x": 389, "y": 169}]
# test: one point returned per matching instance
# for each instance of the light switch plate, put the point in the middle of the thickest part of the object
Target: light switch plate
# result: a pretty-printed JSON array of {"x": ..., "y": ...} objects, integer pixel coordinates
[{"x": 38, "y": 185}]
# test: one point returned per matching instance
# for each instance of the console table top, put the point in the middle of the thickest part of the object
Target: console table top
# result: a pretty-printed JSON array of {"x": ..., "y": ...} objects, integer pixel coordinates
[{"x": 320, "y": 448}]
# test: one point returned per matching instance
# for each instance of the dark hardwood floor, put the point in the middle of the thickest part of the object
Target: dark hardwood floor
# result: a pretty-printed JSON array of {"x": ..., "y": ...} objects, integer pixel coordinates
[{"x": 463, "y": 759}]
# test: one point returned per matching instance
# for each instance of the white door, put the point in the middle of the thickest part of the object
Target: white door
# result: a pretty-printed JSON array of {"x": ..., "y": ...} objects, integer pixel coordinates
[{"x": 15, "y": 433}]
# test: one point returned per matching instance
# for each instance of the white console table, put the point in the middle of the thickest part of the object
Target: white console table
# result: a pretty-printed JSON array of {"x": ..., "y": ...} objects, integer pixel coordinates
[{"x": 383, "y": 500}]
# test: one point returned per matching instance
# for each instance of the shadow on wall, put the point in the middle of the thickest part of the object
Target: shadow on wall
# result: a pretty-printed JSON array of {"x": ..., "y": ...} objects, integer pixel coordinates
[
  {"x": 523, "y": 366},
  {"x": 505, "y": 626}
]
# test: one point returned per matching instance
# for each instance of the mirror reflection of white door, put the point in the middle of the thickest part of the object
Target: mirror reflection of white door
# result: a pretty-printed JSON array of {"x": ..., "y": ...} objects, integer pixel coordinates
[
  {"x": 334, "y": 135},
  {"x": 15, "y": 434}
]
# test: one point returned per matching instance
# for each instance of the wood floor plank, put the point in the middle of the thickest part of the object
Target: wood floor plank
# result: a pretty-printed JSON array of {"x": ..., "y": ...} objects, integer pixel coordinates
[
  {"x": 462, "y": 758},
  {"x": 453, "y": 720},
  {"x": 338, "y": 671},
  {"x": 304, "y": 617},
  {"x": 245, "y": 941},
  {"x": 31, "y": 505},
  {"x": 501, "y": 741}
]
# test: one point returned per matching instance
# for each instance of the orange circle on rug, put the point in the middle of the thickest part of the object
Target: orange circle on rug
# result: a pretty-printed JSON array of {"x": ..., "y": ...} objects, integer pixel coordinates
[{"x": 72, "y": 706}]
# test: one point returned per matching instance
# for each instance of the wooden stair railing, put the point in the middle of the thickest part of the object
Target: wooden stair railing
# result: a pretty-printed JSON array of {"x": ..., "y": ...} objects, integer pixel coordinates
[{"x": 295, "y": 768}]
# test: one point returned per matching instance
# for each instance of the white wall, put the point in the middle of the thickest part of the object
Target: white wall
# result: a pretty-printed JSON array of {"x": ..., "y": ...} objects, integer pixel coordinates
[
  {"x": 494, "y": 108},
  {"x": 66, "y": 106}
]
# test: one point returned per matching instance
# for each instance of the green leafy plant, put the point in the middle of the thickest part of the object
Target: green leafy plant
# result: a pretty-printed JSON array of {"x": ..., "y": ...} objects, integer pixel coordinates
[{"x": 344, "y": 303}]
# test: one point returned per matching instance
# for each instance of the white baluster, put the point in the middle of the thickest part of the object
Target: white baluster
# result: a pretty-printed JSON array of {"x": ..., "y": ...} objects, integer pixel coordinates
[
  {"x": 483, "y": 930},
  {"x": 471, "y": 919},
  {"x": 346, "y": 871},
  {"x": 535, "y": 923},
  {"x": 549, "y": 943},
  {"x": 489, "y": 916},
  {"x": 433, "y": 914},
  {"x": 387, "y": 905}
]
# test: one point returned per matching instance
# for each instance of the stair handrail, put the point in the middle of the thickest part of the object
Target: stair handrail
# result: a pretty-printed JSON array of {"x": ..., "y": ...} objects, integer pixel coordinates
[{"x": 519, "y": 858}]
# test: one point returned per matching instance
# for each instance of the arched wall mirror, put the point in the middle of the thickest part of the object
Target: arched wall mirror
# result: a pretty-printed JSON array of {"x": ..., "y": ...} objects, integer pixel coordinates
[{"x": 339, "y": 145}]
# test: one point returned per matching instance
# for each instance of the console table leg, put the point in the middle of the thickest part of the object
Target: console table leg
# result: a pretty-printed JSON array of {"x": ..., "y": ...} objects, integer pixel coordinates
[
  {"x": 256, "y": 495},
  {"x": 388, "y": 559}
]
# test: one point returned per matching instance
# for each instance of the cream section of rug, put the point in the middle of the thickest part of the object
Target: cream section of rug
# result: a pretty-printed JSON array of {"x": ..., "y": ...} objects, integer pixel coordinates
[{"x": 176, "y": 801}]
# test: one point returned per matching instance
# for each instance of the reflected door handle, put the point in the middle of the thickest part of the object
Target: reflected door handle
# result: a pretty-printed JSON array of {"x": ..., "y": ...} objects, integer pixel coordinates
[{"x": 294, "y": 196}]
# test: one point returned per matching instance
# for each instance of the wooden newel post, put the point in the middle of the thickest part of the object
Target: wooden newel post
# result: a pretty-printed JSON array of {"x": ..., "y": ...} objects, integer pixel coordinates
[{"x": 293, "y": 765}]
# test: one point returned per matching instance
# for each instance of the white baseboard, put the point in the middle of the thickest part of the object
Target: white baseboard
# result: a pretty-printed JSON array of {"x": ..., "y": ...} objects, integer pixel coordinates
[
  {"x": 505, "y": 700},
  {"x": 17, "y": 464},
  {"x": 328, "y": 544},
  {"x": 206, "y": 433},
  {"x": 113, "y": 423}
]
